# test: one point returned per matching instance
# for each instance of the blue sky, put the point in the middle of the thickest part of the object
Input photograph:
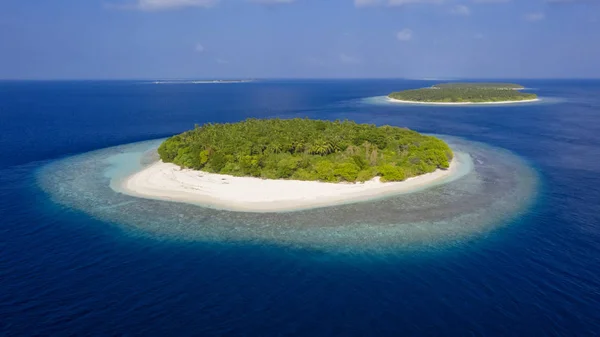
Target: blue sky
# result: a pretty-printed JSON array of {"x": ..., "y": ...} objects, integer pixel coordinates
[{"x": 121, "y": 39}]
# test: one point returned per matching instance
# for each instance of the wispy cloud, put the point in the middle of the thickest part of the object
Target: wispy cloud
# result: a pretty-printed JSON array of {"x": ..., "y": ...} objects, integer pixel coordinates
[
  {"x": 372, "y": 3},
  {"x": 404, "y": 35},
  {"x": 573, "y": 1},
  {"x": 408, "y": 2},
  {"x": 271, "y": 2},
  {"x": 158, "y": 5},
  {"x": 533, "y": 17},
  {"x": 490, "y": 1},
  {"x": 461, "y": 10},
  {"x": 199, "y": 48},
  {"x": 221, "y": 61}
]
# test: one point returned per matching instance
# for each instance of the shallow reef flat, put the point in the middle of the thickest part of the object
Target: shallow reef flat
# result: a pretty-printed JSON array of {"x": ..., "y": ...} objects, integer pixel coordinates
[{"x": 497, "y": 186}]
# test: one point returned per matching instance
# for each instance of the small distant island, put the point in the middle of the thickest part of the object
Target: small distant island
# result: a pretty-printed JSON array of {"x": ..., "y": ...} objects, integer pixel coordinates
[
  {"x": 465, "y": 93},
  {"x": 288, "y": 164},
  {"x": 202, "y": 81}
]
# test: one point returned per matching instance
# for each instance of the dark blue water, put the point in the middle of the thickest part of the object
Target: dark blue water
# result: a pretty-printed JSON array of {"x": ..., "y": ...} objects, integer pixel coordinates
[{"x": 64, "y": 273}]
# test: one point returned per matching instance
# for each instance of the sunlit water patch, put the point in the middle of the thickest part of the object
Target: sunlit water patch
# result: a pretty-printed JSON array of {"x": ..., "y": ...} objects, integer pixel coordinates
[{"x": 496, "y": 186}]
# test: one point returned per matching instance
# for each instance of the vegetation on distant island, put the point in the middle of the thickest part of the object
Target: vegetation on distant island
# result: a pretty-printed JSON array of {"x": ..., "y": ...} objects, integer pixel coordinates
[
  {"x": 479, "y": 85},
  {"x": 305, "y": 149},
  {"x": 465, "y": 92}
]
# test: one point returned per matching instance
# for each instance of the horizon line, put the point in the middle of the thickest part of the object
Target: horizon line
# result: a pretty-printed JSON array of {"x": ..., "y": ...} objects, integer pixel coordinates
[{"x": 285, "y": 78}]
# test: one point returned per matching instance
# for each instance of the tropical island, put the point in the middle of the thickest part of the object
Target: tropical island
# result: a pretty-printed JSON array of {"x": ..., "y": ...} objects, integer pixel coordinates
[
  {"x": 304, "y": 149},
  {"x": 465, "y": 93},
  {"x": 202, "y": 81},
  {"x": 284, "y": 164}
]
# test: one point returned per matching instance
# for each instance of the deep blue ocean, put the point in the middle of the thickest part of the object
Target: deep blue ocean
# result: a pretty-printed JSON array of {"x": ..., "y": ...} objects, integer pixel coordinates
[{"x": 64, "y": 273}]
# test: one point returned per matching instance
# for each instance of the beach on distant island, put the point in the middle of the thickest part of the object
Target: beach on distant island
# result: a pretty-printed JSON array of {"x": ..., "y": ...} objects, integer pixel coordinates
[
  {"x": 464, "y": 93},
  {"x": 393, "y": 100},
  {"x": 167, "y": 181}
]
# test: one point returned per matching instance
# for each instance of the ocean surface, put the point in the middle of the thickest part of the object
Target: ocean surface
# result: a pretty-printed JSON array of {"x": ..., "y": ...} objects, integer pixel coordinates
[{"x": 92, "y": 268}]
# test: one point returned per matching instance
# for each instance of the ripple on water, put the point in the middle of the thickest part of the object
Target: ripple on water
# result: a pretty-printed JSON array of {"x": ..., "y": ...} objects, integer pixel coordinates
[{"x": 498, "y": 187}]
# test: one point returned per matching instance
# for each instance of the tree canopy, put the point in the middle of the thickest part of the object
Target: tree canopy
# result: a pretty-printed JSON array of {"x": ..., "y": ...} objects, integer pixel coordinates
[
  {"x": 305, "y": 149},
  {"x": 481, "y": 85},
  {"x": 465, "y": 92}
]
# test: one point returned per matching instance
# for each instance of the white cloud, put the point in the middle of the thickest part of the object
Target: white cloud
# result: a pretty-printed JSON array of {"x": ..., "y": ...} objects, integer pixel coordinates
[
  {"x": 349, "y": 59},
  {"x": 571, "y": 1},
  {"x": 404, "y": 35},
  {"x": 271, "y": 2},
  {"x": 479, "y": 36},
  {"x": 490, "y": 1},
  {"x": 371, "y": 3},
  {"x": 199, "y": 48},
  {"x": 461, "y": 10},
  {"x": 157, "y": 5},
  {"x": 535, "y": 17},
  {"x": 221, "y": 61},
  {"x": 408, "y": 2}
]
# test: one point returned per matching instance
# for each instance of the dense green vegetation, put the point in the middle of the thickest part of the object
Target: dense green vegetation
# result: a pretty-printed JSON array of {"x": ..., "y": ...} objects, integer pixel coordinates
[
  {"x": 307, "y": 149},
  {"x": 465, "y": 92},
  {"x": 482, "y": 85}
]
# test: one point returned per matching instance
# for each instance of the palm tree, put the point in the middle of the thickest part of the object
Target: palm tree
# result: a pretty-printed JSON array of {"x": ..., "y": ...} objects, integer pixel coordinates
[
  {"x": 321, "y": 147},
  {"x": 274, "y": 148},
  {"x": 299, "y": 146}
]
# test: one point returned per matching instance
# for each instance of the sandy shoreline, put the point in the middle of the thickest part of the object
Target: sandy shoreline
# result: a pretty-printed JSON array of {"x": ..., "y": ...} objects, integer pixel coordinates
[
  {"x": 393, "y": 100},
  {"x": 166, "y": 181}
]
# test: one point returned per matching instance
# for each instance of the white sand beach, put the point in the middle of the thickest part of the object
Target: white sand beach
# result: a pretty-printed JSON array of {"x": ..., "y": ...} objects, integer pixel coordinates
[
  {"x": 166, "y": 181},
  {"x": 462, "y": 103}
]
